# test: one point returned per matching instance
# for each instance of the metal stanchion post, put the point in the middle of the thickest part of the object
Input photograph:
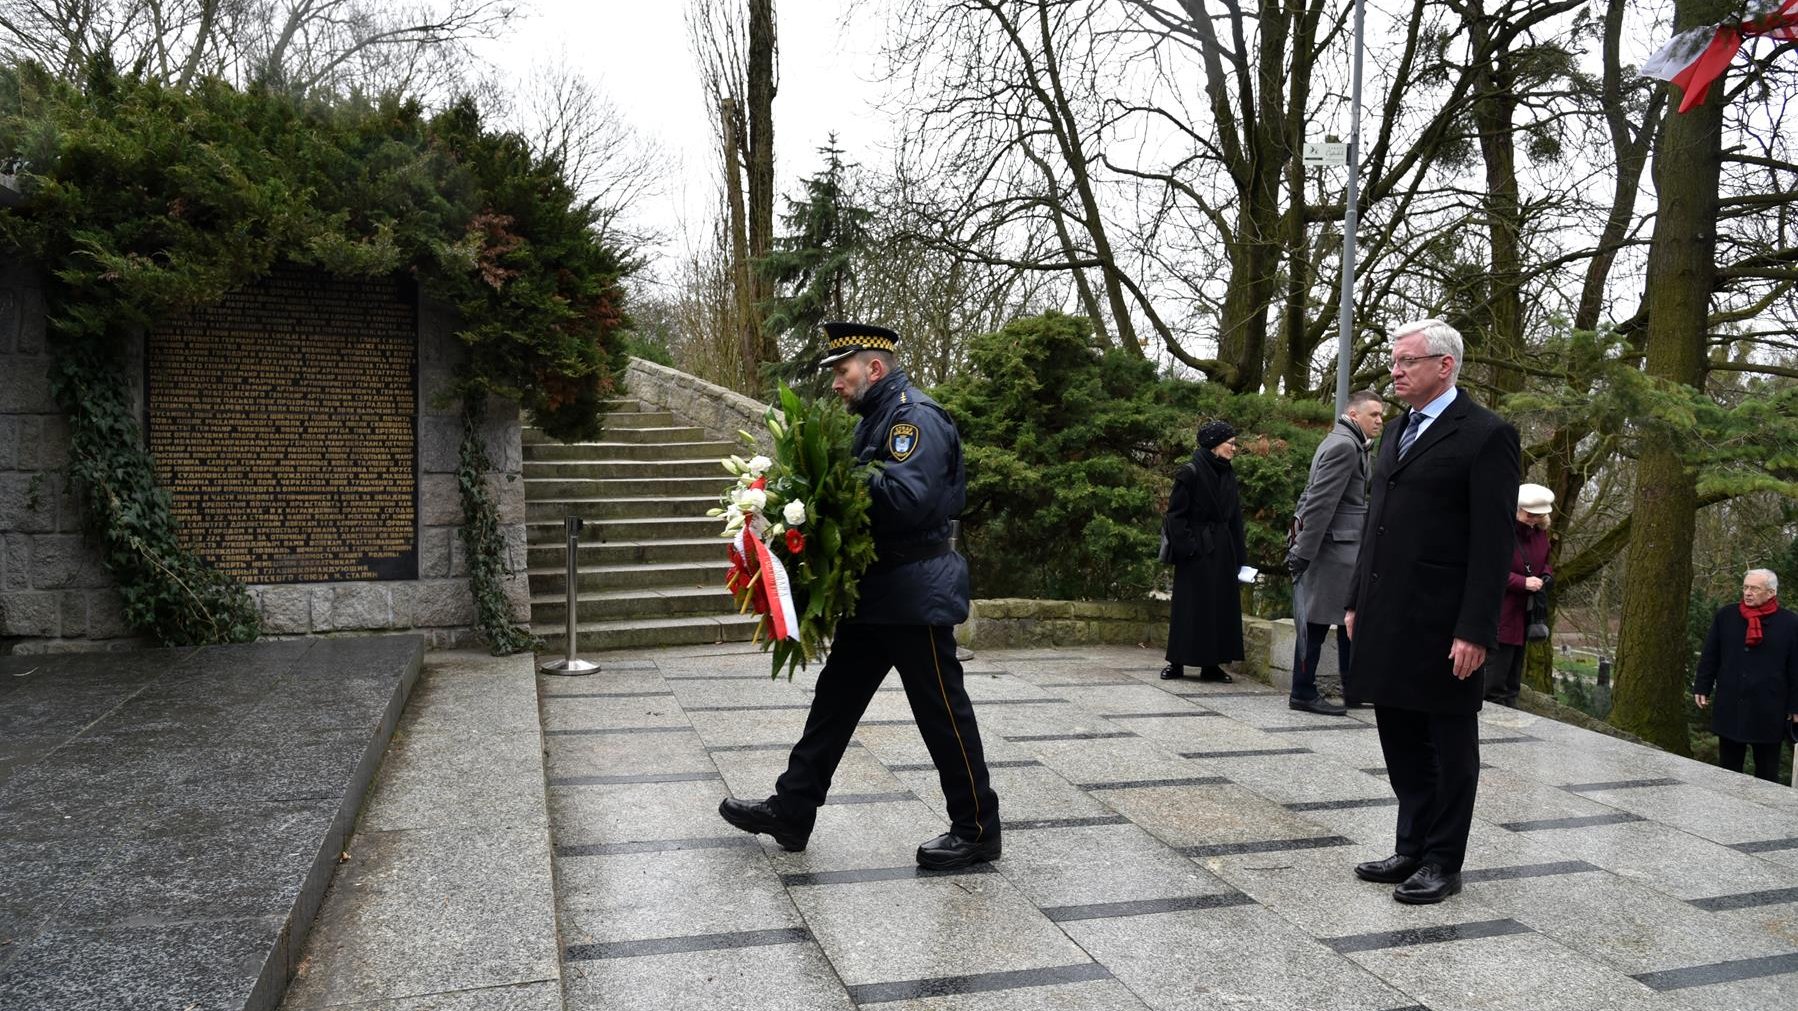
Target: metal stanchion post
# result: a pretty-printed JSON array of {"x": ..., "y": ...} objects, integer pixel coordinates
[
  {"x": 572, "y": 664},
  {"x": 961, "y": 652}
]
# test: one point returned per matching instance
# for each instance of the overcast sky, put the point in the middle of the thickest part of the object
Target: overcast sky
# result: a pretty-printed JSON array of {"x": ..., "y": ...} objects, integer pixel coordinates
[{"x": 638, "y": 53}]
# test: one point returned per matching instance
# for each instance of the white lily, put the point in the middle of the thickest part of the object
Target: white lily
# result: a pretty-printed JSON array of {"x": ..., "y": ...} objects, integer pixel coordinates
[
  {"x": 759, "y": 465},
  {"x": 751, "y": 500}
]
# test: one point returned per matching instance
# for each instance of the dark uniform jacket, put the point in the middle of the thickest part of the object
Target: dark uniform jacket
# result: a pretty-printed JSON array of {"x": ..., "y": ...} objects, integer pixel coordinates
[
  {"x": 1754, "y": 689},
  {"x": 915, "y": 579},
  {"x": 1434, "y": 556},
  {"x": 1205, "y": 531}
]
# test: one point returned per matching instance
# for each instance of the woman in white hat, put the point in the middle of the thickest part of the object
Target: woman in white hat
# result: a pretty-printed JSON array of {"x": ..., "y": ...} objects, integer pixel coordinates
[{"x": 1530, "y": 573}]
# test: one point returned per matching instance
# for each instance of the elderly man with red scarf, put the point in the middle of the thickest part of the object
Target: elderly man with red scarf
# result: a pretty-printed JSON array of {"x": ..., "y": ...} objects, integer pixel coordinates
[{"x": 1750, "y": 663}]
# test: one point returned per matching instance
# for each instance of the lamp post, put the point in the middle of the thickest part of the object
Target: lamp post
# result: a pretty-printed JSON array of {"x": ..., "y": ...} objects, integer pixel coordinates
[{"x": 1345, "y": 341}]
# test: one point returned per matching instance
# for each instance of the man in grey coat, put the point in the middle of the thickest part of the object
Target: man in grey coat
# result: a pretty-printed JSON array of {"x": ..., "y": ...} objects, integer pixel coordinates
[{"x": 1327, "y": 539}]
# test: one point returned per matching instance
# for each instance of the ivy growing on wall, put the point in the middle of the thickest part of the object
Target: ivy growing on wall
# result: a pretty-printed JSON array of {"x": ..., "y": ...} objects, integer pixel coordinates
[{"x": 142, "y": 202}]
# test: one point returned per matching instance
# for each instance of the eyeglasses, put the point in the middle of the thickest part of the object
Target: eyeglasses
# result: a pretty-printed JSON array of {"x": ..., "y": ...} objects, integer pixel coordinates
[{"x": 1408, "y": 361}]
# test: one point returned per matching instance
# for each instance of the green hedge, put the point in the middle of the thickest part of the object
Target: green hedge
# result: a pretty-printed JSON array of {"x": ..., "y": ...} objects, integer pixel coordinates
[{"x": 1071, "y": 450}]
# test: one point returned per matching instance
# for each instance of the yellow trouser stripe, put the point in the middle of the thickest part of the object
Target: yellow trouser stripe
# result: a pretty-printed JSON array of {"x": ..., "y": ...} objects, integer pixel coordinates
[{"x": 979, "y": 826}]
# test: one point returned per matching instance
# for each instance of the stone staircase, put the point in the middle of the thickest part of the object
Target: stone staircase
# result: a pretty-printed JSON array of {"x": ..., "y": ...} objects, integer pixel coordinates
[{"x": 651, "y": 564}]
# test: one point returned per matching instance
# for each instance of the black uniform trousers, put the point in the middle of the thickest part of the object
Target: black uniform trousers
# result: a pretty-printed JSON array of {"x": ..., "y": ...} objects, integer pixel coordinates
[
  {"x": 860, "y": 656},
  {"x": 1433, "y": 761}
]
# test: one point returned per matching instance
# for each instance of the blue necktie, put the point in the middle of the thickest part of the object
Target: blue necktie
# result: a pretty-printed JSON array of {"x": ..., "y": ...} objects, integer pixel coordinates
[{"x": 1413, "y": 425}]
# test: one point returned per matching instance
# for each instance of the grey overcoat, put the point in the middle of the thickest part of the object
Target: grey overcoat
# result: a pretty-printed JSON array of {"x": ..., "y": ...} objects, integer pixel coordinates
[{"x": 1331, "y": 511}]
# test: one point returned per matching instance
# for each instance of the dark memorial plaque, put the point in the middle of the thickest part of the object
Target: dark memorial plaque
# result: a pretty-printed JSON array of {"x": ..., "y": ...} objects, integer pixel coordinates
[{"x": 283, "y": 422}]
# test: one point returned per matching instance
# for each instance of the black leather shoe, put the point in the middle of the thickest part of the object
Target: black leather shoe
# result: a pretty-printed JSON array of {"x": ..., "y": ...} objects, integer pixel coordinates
[
  {"x": 1171, "y": 672},
  {"x": 1320, "y": 705},
  {"x": 757, "y": 817},
  {"x": 949, "y": 851},
  {"x": 1217, "y": 674},
  {"x": 1390, "y": 871},
  {"x": 1428, "y": 885}
]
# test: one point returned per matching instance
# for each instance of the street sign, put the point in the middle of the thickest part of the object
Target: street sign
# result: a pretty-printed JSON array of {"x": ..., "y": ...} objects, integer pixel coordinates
[{"x": 1325, "y": 153}]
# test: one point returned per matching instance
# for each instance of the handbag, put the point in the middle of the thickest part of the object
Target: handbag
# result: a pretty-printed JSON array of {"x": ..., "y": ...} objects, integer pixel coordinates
[
  {"x": 1165, "y": 553},
  {"x": 1536, "y": 613}
]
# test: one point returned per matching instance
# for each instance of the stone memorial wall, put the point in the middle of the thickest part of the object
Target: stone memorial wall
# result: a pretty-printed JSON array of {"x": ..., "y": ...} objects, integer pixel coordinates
[
  {"x": 357, "y": 531},
  {"x": 283, "y": 422}
]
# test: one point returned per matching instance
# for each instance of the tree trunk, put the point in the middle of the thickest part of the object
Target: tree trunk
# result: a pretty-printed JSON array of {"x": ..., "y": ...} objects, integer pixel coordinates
[
  {"x": 761, "y": 162},
  {"x": 744, "y": 315},
  {"x": 1494, "y": 106},
  {"x": 1651, "y": 657}
]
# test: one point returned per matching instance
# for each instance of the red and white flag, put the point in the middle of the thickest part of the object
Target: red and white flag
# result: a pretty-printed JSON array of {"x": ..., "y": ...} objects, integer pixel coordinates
[{"x": 1695, "y": 58}]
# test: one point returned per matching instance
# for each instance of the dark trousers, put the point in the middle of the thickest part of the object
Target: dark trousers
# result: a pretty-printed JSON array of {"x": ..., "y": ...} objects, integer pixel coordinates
[
  {"x": 860, "y": 657},
  {"x": 1304, "y": 668},
  {"x": 1433, "y": 762},
  {"x": 1504, "y": 674},
  {"x": 1731, "y": 755}
]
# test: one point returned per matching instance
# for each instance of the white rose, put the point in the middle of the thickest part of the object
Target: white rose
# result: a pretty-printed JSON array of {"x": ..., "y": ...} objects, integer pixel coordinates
[
  {"x": 794, "y": 513},
  {"x": 759, "y": 465},
  {"x": 752, "y": 500}
]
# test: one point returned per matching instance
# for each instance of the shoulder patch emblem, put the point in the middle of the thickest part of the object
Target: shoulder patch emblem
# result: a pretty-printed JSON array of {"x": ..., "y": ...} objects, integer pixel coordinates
[{"x": 902, "y": 441}]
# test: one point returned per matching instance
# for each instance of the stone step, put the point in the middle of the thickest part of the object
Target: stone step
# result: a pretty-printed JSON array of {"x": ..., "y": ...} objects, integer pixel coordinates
[
  {"x": 646, "y": 633},
  {"x": 622, "y": 404},
  {"x": 648, "y": 552},
  {"x": 538, "y": 489},
  {"x": 614, "y": 420},
  {"x": 707, "y": 466},
  {"x": 647, "y": 603},
  {"x": 694, "y": 506},
  {"x": 606, "y": 452},
  {"x": 622, "y": 529},
  {"x": 691, "y": 575},
  {"x": 654, "y": 434}
]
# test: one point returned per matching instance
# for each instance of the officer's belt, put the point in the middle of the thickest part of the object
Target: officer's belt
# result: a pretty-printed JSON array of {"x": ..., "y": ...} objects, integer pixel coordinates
[{"x": 905, "y": 554}]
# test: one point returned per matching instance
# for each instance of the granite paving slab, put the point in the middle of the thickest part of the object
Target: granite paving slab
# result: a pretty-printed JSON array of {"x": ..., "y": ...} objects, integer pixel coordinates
[
  {"x": 172, "y": 847},
  {"x": 1167, "y": 846},
  {"x": 445, "y": 897}
]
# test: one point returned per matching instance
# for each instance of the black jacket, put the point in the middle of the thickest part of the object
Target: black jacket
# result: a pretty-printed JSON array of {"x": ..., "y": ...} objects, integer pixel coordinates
[
  {"x": 1434, "y": 556},
  {"x": 914, "y": 580},
  {"x": 1754, "y": 689}
]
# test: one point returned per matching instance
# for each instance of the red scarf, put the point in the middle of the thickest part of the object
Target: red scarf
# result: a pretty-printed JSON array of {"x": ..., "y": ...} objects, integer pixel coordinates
[{"x": 1754, "y": 616}]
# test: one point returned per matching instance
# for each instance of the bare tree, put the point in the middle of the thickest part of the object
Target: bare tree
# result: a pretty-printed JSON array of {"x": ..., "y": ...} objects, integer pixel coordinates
[
  {"x": 568, "y": 118},
  {"x": 298, "y": 45}
]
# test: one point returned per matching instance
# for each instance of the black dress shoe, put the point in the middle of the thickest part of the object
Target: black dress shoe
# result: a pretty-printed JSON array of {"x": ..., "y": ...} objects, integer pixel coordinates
[
  {"x": 1390, "y": 871},
  {"x": 1171, "y": 672},
  {"x": 949, "y": 851},
  {"x": 1428, "y": 885},
  {"x": 1320, "y": 705},
  {"x": 757, "y": 817},
  {"x": 1217, "y": 674}
]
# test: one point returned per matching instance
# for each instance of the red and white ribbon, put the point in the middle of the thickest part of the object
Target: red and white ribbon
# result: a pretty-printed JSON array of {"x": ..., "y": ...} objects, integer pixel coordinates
[{"x": 749, "y": 554}]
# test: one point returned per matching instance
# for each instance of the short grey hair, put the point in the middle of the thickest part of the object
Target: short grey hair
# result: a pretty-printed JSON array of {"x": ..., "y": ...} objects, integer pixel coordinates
[
  {"x": 1769, "y": 575},
  {"x": 1438, "y": 337}
]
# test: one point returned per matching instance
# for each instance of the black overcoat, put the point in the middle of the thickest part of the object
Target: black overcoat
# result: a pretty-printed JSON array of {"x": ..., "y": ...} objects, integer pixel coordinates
[
  {"x": 1753, "y": 689},
  {"x": 1204, "y": 529},
  {"x": 1434, "y": 556}
]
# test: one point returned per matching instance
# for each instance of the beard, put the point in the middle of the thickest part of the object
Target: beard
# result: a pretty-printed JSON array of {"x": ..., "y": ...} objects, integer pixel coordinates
[{"x": 855, "y": 394}]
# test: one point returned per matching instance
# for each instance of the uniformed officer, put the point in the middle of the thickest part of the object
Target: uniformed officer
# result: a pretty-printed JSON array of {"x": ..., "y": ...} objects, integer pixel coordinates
[{"x": 911, "y": 598}]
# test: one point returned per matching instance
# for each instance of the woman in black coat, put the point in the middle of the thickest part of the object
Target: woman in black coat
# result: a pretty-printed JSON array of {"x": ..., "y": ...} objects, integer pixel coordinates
[
  {"x": 1748, "y": 675},
  {"x": 1204, "y": 531}
]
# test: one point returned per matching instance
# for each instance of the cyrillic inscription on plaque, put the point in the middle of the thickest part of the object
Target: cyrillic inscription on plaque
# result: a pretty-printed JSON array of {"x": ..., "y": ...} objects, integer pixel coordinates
[{"x": 283, "y": 422}]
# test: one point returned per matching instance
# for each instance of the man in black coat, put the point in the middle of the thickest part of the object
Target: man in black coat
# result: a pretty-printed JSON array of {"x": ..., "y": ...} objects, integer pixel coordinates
[
  {"x": 1748, "y": 675},
  {"x": 909, "y": 601},
  {"x": 1423, "y": 606}
]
